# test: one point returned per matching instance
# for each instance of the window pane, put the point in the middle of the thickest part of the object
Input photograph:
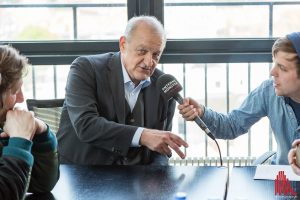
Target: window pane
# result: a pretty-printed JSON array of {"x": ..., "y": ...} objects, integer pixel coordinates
[
  {"x": 216, "y": 21},
  {"x": 56, "y": 20},
  {"x": 286, "y": 19},
  {"x": 49, "y": 81},
  {"x": 36, "y": 24},
  {"x": 59, "y": 1},
  {"x": 101, "y": 23}
]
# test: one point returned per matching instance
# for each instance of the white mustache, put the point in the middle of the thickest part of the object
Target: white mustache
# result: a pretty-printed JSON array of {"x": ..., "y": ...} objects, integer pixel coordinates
[{"x": 145, "y": 67}]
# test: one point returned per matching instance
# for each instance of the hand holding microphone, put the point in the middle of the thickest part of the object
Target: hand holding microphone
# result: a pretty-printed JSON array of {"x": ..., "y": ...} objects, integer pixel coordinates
[
  {"x": 189, "y": 108},
  {"x": 170, "y": 88}
]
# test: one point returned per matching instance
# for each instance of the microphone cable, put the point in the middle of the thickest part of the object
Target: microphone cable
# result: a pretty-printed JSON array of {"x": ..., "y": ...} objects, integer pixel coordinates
[
  {"x": 221, "y": 160},
  {"x": 204, "y": 127}
]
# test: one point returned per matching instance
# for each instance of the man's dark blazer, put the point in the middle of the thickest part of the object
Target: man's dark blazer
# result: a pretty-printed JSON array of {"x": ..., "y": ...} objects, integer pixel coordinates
[{"x": 92, "y": 128}]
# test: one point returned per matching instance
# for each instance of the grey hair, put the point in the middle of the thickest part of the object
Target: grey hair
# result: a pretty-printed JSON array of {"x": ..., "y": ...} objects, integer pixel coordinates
[{"x": 150, "y": 20}]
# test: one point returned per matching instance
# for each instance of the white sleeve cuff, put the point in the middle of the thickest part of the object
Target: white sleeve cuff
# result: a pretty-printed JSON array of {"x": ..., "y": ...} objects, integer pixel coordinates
[{"x": 136, "y": 138}]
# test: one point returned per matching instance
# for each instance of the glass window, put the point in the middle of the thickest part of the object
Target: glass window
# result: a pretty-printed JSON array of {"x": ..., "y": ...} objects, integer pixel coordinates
[
  {"x": 36, "y": 24},
  {"x": 216, "y": 21},
  {"x": 46, "y": 81},
  {"x": 56, "y": 20},
  {"x": 101, "y": 23},
  {"x": 286, "y": 19}
]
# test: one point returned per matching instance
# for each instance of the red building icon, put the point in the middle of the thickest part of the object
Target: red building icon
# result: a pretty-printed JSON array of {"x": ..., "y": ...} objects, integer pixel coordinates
[{"x": 283, "y": 186}]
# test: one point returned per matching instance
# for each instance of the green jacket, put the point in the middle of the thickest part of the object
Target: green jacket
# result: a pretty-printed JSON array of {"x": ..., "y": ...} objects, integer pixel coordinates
[{"x": 28, "y": 166}]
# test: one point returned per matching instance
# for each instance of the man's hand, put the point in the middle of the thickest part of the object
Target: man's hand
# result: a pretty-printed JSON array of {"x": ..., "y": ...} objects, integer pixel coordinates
[
  {"x": 292, "y": 157},
  {"x": 190, "y": 109},
  {"x": 162, "y": 142}
]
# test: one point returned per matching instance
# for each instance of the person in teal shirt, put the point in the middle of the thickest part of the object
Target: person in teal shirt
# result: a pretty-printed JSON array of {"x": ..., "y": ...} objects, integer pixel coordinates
[
  {"x": 277, "y": 98},
  {"x": 28, "y": 148}
]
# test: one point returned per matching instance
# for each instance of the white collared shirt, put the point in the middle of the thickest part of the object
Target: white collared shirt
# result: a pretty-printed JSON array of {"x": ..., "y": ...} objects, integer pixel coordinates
[{"x": 131, "y": 95}]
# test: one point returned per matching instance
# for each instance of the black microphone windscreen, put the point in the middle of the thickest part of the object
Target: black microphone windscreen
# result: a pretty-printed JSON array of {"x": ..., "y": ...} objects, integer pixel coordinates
[
  {"x": 170, "y": 88},
  {"x": 168, "y": 85}
]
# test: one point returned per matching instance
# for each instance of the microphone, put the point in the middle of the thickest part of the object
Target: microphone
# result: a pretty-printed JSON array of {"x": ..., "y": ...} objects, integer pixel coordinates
[{"x": 170, "y": 88}]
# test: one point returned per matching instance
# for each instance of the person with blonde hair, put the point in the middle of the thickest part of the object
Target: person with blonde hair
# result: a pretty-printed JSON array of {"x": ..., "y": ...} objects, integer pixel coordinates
[{"x": 277, "y": 98}]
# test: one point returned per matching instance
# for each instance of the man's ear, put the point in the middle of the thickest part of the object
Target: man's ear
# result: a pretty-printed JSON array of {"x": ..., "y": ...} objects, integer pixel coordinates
[{"x": 122, "y": 43}]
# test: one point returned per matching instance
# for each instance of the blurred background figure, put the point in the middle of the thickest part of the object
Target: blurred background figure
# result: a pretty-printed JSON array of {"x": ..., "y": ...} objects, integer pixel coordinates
[
  {"x": 28, "y": 148},
  {"x": 294, "y": 157}
]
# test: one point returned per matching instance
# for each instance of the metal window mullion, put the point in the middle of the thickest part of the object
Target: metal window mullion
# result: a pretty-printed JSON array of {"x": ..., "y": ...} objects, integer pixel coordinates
[
  {"x": 271, "y": 13},
  {"x": 75, "y": 22},
  {"x": 146, "y": 7},
  {"x": 271, "y": 6},
  {"x": 270, "y": 138},
  {"x": 33, "y": 82},
  {"x": 55, "y": 80},
  {"x": 270, "y": 128},
  {"x": 249, "y": 89},
  {"x": 205, "y": 103},
  {"x": 227, "y": 101},
  {"x": 184, "y": 95}
]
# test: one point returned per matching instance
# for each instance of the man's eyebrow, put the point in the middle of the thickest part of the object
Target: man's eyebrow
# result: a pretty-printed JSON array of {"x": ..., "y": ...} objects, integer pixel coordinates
[{"x": 292, "y": 58}]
